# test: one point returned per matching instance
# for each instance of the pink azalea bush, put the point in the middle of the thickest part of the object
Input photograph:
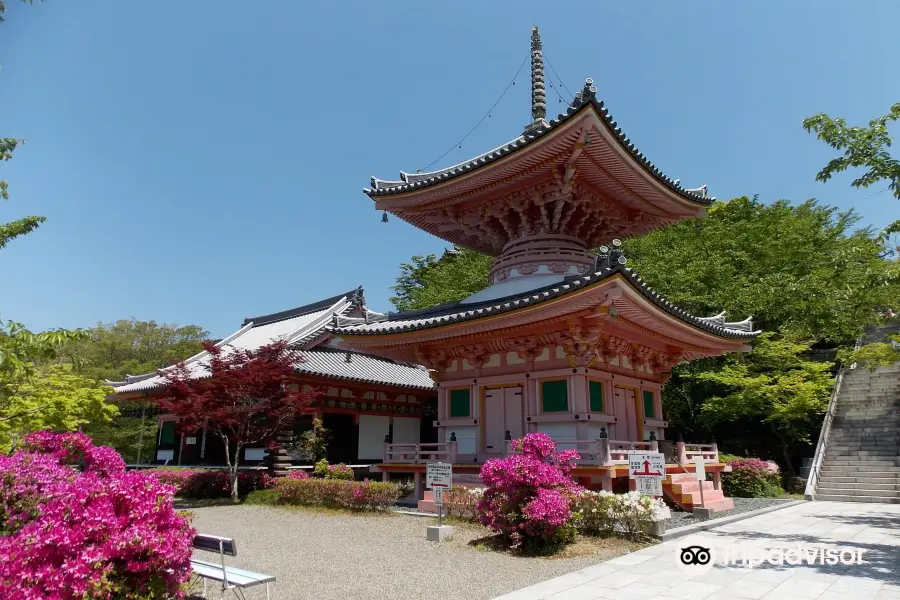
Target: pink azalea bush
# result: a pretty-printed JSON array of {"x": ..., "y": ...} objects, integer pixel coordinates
[
  {"x": 298, "y": 475},
  {"x": 752, "y": 478},
  {"x": 210, "y": 484},
  {"x": 75, "y": 525},
  {"x": 529, "y": 495}
]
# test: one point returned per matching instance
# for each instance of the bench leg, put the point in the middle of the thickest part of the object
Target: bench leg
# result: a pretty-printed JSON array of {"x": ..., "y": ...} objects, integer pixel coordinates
[{"x": 267, "y": 591}]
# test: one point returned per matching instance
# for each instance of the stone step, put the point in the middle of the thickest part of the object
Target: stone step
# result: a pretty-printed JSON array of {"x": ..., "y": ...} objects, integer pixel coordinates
[
  {"x": 852, "y": 498},
  {"x": 857, "y": 485},
  {"x": 876, "y": 483},
  {"x": 886, "y": 454},
  {"x": 860, "y": 490},
  {"x": 847, "y": 470}
]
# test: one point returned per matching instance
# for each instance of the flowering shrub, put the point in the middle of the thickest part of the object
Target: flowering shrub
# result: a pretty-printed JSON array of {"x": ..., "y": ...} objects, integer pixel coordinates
[
  {"x": 752, "y": 478},
  {"x": 528, "y": 495},
  {"x": 209, "y": 484},
  {"x": 336, "y": 493},
  {"x": 75, "y": 449},
  {"x": 339, "y": 471},
  {"x": 630, "y": 515},
  {"x": 462, "y": 502},
  {"x": 298, "y": 475},
  {"x": 95, "y": 533}
]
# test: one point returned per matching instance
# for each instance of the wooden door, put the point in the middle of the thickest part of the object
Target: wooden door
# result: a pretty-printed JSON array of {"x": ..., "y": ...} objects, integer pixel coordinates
[
  {"x": 513, "y": 412},
  {"x": 492, "y": 421},
  {"x": 626, "y": 414}
]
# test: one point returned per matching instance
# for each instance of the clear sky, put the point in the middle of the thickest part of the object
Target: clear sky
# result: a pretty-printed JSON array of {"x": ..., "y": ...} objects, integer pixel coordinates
[{"x": 204, "y": 161}]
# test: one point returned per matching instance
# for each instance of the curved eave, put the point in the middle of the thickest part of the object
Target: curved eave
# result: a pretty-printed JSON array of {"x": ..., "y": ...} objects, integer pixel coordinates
[
  {"x": 397, "y": 326},
  {"x": 414, "y": 183}
]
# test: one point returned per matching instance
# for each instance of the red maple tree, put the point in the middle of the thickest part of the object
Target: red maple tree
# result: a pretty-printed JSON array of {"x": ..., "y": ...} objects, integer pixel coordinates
[{"x": 243, "y": 396}]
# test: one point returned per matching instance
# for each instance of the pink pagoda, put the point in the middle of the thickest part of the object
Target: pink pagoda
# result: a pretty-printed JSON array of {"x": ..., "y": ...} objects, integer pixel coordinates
[{"x": 564, "y": 340}]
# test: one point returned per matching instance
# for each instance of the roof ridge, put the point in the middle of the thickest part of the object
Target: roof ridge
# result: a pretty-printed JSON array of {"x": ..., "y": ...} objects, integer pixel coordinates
[{"x": 356, "y": 295}]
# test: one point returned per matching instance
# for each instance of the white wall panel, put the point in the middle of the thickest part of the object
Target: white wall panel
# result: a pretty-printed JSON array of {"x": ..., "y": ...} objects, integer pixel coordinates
[
  {"x": 406, "y": 430},
  {"x": 372, "y": 429}
]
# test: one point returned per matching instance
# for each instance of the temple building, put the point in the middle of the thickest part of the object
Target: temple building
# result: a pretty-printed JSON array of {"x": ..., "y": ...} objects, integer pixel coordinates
[
  {"x": 564, "y": 340},
  {"x": 364, "y": 397}
]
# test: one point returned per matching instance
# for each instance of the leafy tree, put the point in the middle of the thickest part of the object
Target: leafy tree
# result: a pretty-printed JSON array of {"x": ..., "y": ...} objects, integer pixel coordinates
[
  {"x": 54, "y": 398},
  {"x": 241, "y": 397},
  {"x": 132, "y": 347},
  {"x": 428, "y": 281},
  {"x": 875, "y": 355},
  {"x": 28, "y": 382},
  {"x": 313, "y": 443},
  {"x": 802, "y": 267},
  {"x": 777, "y": 385},
  {"x": 863, "y": 147}
]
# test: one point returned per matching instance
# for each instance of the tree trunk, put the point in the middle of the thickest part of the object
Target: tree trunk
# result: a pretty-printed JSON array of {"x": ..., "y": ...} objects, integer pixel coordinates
[
  {"x": 234, "y": 474},
  {"x": 785, "y": 453}
]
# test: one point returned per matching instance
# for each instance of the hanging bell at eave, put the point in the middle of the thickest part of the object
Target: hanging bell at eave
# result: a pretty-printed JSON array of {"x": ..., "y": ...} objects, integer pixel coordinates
[{"x": 384, "y": 217}]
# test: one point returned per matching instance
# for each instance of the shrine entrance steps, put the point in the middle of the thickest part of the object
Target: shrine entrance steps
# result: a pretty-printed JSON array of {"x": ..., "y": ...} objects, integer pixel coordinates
[
  {"x": 862, "y": 457},
  {"x": 684, "y": 490}
]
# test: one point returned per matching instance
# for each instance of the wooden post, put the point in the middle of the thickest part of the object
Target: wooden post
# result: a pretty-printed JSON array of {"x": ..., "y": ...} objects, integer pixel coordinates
[
  {"x": 417, "y": 480},
  {"x": 680, "y": 454},
  {"x": 717, "y": 480},
  {"x": 606, "y": 481},
  {"x": 605, "y": 458},
  {"x": 385, "y": 476}
]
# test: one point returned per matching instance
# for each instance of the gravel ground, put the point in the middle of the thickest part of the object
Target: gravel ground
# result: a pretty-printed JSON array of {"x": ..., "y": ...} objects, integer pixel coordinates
[
  {"x": 741, "y": 505},
  {"x": 335, "y": 556}
]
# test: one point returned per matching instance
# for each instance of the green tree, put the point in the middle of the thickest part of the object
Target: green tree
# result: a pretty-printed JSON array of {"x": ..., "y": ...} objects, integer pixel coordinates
[
  {"x": 131, "y": 347},
  {"x": 429, "y": 281},
  {"x": 777, "y": 385},
  {"x": 110, "y": 351},
  {"x": 54, "y": 398},
  {"x": 863, "y": 148}
]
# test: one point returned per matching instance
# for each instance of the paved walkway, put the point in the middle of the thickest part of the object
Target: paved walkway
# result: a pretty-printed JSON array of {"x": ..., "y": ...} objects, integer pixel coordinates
[{"x": 655, "y": 572}]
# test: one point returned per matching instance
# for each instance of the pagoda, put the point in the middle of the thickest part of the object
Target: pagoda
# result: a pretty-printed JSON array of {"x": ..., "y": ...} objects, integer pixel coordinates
[{"x": 564, "y": 340}]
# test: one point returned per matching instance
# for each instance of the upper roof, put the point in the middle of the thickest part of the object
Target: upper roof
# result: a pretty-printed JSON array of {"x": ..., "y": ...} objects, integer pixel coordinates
[
  {"x": 586, "y": 98},
  {"x": 577, "y": 175},
  {"x": 304, "y": 328},
  {"x": 457, "y": 312}
]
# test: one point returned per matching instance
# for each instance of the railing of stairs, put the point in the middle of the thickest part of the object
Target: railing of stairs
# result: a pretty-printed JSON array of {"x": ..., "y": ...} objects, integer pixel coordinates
[{"x": 812, "y": 482}]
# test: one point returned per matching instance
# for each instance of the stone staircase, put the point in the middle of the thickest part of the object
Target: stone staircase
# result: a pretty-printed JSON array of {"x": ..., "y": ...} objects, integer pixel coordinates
[{"x": 862, "y": 456}]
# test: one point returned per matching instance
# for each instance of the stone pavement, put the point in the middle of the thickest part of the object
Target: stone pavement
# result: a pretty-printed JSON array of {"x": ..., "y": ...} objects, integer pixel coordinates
[{"x": 655, "y": 572}]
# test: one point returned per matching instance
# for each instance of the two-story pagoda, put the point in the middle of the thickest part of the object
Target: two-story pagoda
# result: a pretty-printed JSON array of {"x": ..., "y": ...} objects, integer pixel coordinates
[{"x": 562, "y": 341}]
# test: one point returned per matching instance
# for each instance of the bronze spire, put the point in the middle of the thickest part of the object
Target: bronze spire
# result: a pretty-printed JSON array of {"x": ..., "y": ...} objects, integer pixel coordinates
[{"x": 538, "y": 91}]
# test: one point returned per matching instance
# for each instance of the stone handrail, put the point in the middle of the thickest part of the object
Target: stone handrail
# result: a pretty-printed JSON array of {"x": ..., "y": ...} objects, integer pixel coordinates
[
  {"x": 420, "y": 453},
  {"x": 688, "y": 452}
]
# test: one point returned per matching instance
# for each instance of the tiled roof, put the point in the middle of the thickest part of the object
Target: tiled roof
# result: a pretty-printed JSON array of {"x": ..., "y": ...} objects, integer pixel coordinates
[
  {"x": 332, "y": 363},
  {"x": 587, "y": 97},
  {"x": 456, "y": 312},
  {"x": 300, "y": 327}
]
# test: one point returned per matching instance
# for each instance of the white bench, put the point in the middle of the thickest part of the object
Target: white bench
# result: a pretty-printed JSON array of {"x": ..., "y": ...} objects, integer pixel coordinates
[{"x": 231, "y": 578}]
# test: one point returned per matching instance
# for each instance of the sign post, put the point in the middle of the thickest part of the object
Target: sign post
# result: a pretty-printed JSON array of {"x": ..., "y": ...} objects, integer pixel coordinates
[
  {"x": 647, "y": 470},
  {"x": 438, "y": 478},
  {"x": 700, "y": 468}
]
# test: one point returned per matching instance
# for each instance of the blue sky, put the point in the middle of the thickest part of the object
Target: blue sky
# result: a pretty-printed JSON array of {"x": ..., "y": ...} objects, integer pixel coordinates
[{"x": 200, "y": 162}]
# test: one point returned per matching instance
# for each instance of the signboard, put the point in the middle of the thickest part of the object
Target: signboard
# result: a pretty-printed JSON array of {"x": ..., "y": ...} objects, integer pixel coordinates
[
  {"x": 439, "y": 475},
  {"x": 438, "y": 495},
  {"x": 700, "y": 465},
  {"x": 647, "y": 470}
]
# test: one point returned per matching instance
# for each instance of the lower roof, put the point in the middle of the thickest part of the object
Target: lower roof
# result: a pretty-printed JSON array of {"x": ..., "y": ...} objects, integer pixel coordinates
[{"x": 457, "y": 312}]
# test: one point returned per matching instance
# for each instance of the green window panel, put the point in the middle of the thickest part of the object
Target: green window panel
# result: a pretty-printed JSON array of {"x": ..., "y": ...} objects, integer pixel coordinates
[
  {"x": 555, "y": 396},
  {"x": 167, "y": 435},
  {"x": 649, "y": 411},
  {"x": 595, "y": 390},
  {"x": 460, "y": 405}
]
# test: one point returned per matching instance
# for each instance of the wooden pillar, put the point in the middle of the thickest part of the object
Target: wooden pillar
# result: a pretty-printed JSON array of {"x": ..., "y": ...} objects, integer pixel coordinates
[
  {"x": 717, "y": 480},
  {"x": 417, "y": 481},
  {"x": 385, "y": 476}
]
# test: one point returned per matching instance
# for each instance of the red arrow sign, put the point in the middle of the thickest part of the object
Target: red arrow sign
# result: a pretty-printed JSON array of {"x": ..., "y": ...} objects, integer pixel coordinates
[{"x": 647, "y": 470}]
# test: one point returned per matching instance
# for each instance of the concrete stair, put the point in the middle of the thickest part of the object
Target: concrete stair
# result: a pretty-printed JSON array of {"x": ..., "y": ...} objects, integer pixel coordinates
[
  {"x": 684, "y": 490},
  {"x": 862, "y": 455},
  {"x": 426, "y": 504}
]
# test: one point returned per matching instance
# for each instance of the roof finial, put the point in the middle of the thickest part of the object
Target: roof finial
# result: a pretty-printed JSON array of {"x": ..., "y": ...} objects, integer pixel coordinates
[{"x": 538, "y": 91}]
